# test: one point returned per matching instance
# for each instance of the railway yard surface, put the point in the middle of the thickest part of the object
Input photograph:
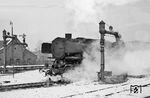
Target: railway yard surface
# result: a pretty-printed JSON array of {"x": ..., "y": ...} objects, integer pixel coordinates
[{"x": 80, "y": 89}]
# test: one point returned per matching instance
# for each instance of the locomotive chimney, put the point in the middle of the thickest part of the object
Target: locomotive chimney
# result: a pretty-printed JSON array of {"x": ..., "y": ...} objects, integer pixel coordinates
[{"x": 68, "y": 36}]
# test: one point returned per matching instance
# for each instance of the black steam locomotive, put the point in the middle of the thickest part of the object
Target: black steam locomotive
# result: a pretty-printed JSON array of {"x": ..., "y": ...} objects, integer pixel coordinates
[{"x": 67, "y": 52}]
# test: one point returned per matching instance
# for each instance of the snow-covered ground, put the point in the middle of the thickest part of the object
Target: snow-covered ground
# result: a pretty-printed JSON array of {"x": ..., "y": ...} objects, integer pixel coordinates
[
  {"x": 24, "y": 77},
  {"x": 81, "y": 89}
]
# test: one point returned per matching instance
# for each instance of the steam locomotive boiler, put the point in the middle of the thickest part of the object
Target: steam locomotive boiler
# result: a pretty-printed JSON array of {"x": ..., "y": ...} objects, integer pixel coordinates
[{"x": 67, "y": 52}]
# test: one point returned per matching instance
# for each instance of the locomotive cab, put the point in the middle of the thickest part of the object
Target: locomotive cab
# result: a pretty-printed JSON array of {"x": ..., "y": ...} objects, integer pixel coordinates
[{"x": 46, "y": 48}]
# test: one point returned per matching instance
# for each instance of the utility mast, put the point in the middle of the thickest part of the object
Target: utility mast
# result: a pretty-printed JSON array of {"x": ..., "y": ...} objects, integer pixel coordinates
[{"x": 5, "y": 36}]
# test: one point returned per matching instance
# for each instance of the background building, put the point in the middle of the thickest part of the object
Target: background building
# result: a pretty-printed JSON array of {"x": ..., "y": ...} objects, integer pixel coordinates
[{"x": 16, "y": 53}]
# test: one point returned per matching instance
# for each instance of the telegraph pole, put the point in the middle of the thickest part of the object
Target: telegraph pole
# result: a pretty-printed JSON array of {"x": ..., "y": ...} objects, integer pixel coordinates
[
  {"x": 12, "y": 36},
  {"x": 5, "y": 36},
  {"x": 12, "y": 48},
  {"x": 11, "y": 23},
  {"x": 5, "y": 50}
]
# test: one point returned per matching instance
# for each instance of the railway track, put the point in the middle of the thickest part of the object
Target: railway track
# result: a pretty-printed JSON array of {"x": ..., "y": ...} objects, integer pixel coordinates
[
  {"x": 89, "y": 89},
  {"x": 95, "y": 90},
  {"x": 110, "y": 90},
  {"x": 125, "y": 90},
  {"x": 106, "y": 92},
  {"x": 31, "y": 85}
]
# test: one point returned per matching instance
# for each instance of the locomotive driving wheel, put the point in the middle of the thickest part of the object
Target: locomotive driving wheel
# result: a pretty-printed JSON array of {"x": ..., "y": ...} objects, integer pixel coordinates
[{"x": 58, "y": 67}]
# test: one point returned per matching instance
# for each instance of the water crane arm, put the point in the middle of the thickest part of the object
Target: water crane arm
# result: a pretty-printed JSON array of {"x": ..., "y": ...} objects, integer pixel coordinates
[{"x": 116, "y": 34}]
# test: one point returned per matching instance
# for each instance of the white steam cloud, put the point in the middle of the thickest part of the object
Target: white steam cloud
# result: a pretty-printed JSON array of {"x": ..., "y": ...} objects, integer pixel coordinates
[
  {"x": 89, "y": 11},
  {"x": 124, "y": 60},
  {"x": 131, "y": 62},
  {"x": 89, "y": 67}
]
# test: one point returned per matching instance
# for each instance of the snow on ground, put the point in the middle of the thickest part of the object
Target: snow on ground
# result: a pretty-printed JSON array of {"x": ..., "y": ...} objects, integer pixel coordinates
[
  {"x": 24, "y": 77},
  {"x": 80, "y": 89},
  {"x": 83, "y": 89}
]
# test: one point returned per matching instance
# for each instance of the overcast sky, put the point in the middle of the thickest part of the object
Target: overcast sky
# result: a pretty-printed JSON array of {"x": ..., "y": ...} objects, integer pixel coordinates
[{"x": 44, "y": 20}]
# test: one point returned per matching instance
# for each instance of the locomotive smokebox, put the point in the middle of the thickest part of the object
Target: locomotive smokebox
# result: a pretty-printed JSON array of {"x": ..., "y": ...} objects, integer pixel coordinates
[{"x": 68, "y": 36}]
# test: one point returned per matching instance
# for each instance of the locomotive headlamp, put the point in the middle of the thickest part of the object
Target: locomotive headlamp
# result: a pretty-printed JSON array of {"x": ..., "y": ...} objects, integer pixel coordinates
[{"x": 102, "y": 27}]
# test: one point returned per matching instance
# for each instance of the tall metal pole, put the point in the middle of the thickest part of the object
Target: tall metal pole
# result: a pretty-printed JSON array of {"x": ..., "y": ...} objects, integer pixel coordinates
[
  {"x": 11, "y": 23},
  {"x": 24, "y": 41},
  {"x": 102, "y": 43},
  {"x": 5, "y": 57},
  {"x": 12, "y": 63},
  {"x": 5, "y": 50},
  {"x": 12, "y": 48},
  {"x": 5, "y": 36}
]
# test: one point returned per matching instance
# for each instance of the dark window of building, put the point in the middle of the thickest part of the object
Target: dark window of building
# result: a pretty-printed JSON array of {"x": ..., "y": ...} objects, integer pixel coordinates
[
  {"x": 29, "y": 61},
  {"x": 18, "y": 61}
]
